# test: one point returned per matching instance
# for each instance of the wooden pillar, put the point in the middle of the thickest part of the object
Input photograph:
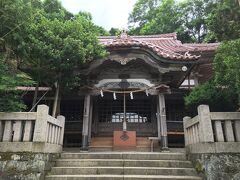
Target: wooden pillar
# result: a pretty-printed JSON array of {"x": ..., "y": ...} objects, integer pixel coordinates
[
  {"x": 56, "y": 99},
  {"x": 158, "y": 121},
  {"x": 163, "y": 122},
  {"x": 90, "y": 121},
  {"x": 86, "y": 115}
]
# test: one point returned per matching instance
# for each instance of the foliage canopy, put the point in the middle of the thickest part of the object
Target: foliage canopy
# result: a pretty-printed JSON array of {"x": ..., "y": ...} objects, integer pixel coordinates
[
  {"x": 188, "y": 18},
  {"x": 46, "y": 41},
  {"x": 218, "y": 98},
  {"x": 223, "y": 93}
]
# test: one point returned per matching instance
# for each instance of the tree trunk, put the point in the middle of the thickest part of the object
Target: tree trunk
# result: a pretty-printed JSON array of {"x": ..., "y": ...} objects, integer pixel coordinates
[
  {"x": 58, "y": 104},
  {"x": 199, "y": 38},
  {"x": 35, "y": 97},
  {"x": 56, "y": 100}
]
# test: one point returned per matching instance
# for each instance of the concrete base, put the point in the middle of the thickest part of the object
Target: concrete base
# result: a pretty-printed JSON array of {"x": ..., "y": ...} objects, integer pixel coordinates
[
  {"x": 30, "y": 147},
  {"x": 217, "y": 147},
  {"x": 84, "y": 142},
  {"x": 164, "y": 143}
]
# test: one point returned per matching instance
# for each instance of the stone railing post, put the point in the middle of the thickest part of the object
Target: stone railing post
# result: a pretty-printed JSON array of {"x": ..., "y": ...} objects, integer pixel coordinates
[
  {"x": 205, "y": 124},
  {"x": 186, "y": 135},
  {"x": 62, "y": 121},
  {"x": 41, "y": 130}
]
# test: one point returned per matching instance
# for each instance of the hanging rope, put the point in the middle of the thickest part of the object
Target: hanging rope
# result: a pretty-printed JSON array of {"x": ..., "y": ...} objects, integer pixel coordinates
[
  {"x": 124, "y": 91},
  {"x": 38, "y": 101}
]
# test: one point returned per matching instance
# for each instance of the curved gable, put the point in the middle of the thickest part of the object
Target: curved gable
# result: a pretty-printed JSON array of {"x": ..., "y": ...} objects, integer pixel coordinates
[{"x": 165, "y": 47}]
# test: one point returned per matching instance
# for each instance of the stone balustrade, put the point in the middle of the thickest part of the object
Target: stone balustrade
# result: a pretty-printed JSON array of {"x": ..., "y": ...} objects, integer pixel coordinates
[
  {"x": 213, "y": 131},
  {"x": 212, "y": 143},
  {"x": 31, "y": 131}
]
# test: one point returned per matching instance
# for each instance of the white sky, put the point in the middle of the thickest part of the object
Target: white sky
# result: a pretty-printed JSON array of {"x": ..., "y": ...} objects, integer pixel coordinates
[{"x": 105, "y": 13}]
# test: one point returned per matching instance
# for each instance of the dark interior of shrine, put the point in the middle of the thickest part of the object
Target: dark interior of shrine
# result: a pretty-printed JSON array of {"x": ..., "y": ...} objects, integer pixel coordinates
[{"x": 108, "y": 116}]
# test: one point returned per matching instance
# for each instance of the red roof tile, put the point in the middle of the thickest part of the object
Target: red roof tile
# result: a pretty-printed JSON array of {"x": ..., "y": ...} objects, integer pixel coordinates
[
  {"x": 203, "y": 46},
  {"x": 164, "y": 45}
]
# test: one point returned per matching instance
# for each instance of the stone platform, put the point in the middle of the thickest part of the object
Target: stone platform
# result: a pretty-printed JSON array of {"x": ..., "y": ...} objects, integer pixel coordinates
[{"x": 124, "y": 165}]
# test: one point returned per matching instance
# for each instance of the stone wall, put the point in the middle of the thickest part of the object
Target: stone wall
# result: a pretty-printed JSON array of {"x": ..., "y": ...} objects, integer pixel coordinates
[
  {"x": 212, "y": 142},
  {"x": 223, "y": 166},
  {"x": 25, "y": 166}
]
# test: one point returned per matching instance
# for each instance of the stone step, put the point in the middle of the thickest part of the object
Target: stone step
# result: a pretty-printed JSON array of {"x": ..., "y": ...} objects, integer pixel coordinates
[
  {"x": 130, "y": 155},
  {"x": 120, "y": 177},
  {"x": 122, "y": 163},
  {"x": 122, "y": 171}
]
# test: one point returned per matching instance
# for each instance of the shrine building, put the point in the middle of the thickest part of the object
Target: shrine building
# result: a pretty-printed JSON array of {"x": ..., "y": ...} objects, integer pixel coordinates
[{"x": 143, "y": 80}]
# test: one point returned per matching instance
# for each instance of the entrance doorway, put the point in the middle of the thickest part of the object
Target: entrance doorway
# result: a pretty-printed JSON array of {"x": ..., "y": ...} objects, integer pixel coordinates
[{"x": 109, "y": 114}]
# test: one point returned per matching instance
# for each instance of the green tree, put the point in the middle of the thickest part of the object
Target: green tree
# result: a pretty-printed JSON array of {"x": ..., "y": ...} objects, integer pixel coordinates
[
  {"x": 223, "y": 93},
  {"x": 143, "y": 11},
  {"x": 114, "y": 31},
  {"x": 224, "y": 20},
  {"x": 62, "y": 46},
  {"x": 227, "y": 65},
  {"x": 54, "y": 9},
  {"x": 154, "y": 17},
  {"x": 86, "y": 15},
  {"x": 167, "y": 18},
  {"x": 56, "y": 49},
  {"x": 210, "y": 93},
  {"x": 100, "y": 30},
  {"x": 46, "y": 41},
  {"x": 187, "y": 18},
  {"x": 13, "y": 14},
  {"x": 224, "y": 24},
  {"x": 195, "y": 14},
  {"x": 10, "y": 78}
]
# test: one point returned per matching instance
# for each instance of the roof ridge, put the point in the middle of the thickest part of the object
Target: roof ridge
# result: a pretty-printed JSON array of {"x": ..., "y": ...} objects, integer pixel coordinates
[
  {"x": 200, "y": 44},
  {"x": 167, "y": 35},
  {"x": 125, "y": 40}
]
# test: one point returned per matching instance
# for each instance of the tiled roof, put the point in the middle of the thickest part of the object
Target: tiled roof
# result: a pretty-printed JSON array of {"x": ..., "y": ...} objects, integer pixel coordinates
[
  {"x": 164, "y": 45},
  {"x": 203, "y": 47}
]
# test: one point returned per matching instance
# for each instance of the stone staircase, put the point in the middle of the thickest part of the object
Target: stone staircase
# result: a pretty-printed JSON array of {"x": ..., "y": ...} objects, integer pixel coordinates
[{"x": 123, "y": 166}]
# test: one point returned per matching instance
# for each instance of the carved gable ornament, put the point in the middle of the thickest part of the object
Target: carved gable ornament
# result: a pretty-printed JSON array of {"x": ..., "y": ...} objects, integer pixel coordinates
[{"x": 123, "y": 60}]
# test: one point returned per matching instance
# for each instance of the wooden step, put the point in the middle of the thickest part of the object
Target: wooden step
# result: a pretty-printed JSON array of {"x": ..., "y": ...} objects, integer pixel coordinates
[
  {"x": 101, "y": 141},
  {"x": 143, "y": 143}
]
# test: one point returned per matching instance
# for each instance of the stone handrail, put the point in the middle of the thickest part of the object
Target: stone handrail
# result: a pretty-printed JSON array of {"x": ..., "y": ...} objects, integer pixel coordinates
[
  {"x": 210, "y": 127},
  {"x": 31, "y": 131},
  {"x": 191, "y": 130}
]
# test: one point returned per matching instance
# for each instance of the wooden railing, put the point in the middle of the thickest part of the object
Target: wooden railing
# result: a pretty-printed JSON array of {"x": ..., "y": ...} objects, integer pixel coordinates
[
  {"x": 212, "y": 127},
  {"x": 31, "y": 131}
]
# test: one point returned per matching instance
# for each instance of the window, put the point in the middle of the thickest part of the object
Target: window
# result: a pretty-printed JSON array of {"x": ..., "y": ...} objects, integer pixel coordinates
[{"x": 131, "y": 117}]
